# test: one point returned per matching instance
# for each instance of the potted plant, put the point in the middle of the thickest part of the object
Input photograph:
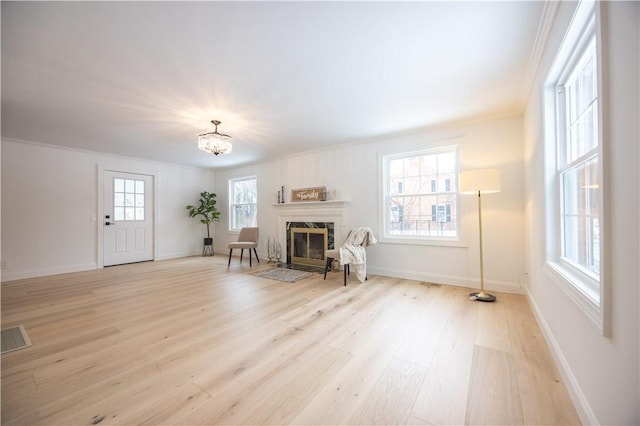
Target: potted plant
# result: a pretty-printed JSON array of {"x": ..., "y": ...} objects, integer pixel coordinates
[{"x": 209, "y": 213}]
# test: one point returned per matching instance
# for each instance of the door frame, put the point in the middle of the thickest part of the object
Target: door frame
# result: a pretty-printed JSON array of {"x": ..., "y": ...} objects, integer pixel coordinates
[{"x": 101, "y": 169}]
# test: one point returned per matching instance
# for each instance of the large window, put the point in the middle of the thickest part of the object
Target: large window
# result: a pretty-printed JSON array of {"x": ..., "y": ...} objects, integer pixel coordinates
[
  {"x": 573, "y": 192},
  {"x": 420, "y": 194},
  {"x": 579, "y": 165},
  {"x": 243, "y": 202}
]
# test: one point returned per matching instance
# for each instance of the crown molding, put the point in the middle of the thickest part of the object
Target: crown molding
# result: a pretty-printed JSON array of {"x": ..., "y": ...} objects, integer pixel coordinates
[{"x": 544, "y": 29}]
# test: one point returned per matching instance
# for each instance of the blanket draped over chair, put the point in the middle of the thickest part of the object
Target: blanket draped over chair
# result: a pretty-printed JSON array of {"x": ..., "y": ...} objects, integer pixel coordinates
[{"x": 353, "y": 250}]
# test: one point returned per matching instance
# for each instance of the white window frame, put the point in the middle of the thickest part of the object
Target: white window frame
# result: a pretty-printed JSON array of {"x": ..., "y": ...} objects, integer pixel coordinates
[
  {"x": 232, "y": 205},
  {"x": 385, "y": 210},
  {"x": 588, "y": 290}
]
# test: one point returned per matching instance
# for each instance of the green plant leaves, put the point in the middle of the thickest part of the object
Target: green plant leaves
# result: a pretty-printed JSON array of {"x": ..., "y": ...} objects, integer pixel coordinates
[{"x": 206, "y": 209}]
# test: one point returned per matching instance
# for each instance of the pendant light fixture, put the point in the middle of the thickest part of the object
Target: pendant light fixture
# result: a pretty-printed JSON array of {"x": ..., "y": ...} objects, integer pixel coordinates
[{"x": 215, "y": 142}]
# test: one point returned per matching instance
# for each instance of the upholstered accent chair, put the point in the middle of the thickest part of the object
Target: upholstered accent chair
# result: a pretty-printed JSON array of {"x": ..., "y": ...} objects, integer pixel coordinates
[
  {"x": 248, "y": 239},
  {"x": 352, "y": 252}
]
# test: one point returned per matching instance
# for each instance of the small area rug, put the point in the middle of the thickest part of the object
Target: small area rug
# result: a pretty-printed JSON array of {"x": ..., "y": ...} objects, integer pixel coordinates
[{"x": 282, "y": 274}]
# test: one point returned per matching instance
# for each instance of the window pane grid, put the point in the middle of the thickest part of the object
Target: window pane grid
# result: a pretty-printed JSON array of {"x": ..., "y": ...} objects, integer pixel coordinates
[
  {"x": 243, "y": 208},
  {"x": 581, "y": 216},
  {"x": 419, "y": 197},
  {"x": 583, "y": 133},
  {"x": 574, "y": 191},
  {"x": 582, "y": 106},
  {"x": 128, "y": 200},
  {"x": 578, "y": 173}
]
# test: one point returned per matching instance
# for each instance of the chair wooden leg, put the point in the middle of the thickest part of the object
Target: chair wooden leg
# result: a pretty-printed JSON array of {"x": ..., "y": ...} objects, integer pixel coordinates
[
  {"x": 241, "y": 253},
  {"x": 230, "y": 251},
  {"x": 250, "y": 265},
  {"x": 327, "y": 266},
  {"x": 346, "y": 272},
  {"x": 256, "y": 253}
]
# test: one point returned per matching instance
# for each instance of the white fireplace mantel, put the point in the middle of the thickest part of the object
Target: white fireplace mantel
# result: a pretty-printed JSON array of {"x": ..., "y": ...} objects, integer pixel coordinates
[
  {"x": 306, "y": 205},
  {"x": 311, "y": 211}
]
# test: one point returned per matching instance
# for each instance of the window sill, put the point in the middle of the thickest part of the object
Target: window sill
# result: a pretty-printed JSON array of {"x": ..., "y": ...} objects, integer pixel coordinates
[
  {"x": 572, "y": 285},
  {"x": 444, "y": 242}
]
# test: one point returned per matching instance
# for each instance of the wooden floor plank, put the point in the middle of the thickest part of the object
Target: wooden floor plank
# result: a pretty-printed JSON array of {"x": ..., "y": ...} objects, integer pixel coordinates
[
  {"x": 190, "y": 341},
  {"x": 392, "y": 397},
  {"x": 493, "y": 328},
  {"x": 443, "y": 396},
  {"x": 544, "y": 397},
  {"x": 422, "y": 342},
  {"x": 493, "y": 392}
]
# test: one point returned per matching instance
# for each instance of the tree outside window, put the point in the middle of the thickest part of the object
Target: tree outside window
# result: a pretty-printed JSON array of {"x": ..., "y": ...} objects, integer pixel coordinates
[{"x": 243, "y": 203}]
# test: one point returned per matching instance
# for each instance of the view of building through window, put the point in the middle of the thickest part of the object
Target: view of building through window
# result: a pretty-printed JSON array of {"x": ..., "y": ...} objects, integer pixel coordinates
[
  {"x": 574, "y": 191},
  {"x": 579, "y": 171},
  {"x": 421, "y": 193}
]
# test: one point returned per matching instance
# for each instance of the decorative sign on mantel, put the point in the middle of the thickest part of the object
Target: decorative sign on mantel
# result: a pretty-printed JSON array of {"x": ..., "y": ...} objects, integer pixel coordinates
[{"x": 318, "y": 193}]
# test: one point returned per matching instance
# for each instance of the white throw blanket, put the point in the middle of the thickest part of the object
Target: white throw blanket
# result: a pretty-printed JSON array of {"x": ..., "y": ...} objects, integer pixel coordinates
[{"x": 353, "y": 253}]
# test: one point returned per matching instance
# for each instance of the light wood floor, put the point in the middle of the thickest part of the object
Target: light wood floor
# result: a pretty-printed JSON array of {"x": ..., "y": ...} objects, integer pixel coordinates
[{"x": 189, "y": 341}]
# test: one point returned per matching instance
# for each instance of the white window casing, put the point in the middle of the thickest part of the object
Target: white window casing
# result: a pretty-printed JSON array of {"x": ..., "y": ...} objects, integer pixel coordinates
[
  {"x": 243, "y": 203},
  {"x": 575, "y": 188}
]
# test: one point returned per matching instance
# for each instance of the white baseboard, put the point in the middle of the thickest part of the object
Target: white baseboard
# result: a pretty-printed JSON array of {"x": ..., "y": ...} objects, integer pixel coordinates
[
  {"x": 178, "y": 254},
  {"x": 33, "y": 273},
  {"x": 8, "y": 275},
  {"x": 455, "y": 280},
  {"x": 575, "y": 392}
]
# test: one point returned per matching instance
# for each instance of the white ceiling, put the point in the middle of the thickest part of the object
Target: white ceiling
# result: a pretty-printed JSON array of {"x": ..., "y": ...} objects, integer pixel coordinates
[{"x": 143, "y": 79}]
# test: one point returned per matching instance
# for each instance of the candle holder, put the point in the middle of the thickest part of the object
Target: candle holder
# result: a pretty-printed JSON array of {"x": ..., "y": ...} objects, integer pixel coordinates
[
  {"x": 278, "y": 251},
  {"x": 270, "y": 250}
]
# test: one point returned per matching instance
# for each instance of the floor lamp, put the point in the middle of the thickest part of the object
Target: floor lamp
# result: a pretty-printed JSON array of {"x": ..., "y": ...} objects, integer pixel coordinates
[{"x": 480, "y": 182}]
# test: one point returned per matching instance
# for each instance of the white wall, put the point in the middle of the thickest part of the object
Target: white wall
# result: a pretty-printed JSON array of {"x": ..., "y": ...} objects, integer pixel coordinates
[
  {"x": 353, "y": 172},
  {"x": 49, "y": 196},
  {"x": 602, "y": 373}
]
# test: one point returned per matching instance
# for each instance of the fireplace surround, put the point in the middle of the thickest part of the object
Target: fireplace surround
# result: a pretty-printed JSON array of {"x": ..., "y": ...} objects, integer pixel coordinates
[{"x": 316, "y": 216}]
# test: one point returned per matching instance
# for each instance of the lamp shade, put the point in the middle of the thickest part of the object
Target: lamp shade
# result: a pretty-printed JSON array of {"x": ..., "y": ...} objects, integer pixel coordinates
[
  {"x": 215, "y": 143},
  {"x": 485, "y": 181}
]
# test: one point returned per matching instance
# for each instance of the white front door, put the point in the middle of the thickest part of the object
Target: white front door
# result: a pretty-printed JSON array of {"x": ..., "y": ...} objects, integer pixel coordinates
[{"x": 128, "y": 218}]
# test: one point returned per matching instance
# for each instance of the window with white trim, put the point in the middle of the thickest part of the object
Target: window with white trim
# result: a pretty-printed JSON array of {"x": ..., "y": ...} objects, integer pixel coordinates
[
  {"x": 243, "y": 203},
  {"x": 578, "y": 167},
  {"x": 573, "y": 191},
  {"x": 420, "y": 194}
]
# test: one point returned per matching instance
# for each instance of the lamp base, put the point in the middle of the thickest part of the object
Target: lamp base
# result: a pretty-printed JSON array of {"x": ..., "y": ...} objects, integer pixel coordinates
[{"x": 482, "y": 296}]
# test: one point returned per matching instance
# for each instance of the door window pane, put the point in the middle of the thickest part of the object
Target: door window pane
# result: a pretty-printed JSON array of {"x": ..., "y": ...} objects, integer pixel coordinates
[
  {"x": 128, "y": 199},
  {"x": 129, "y": 185},
  {"x": 139, "y": 187}
]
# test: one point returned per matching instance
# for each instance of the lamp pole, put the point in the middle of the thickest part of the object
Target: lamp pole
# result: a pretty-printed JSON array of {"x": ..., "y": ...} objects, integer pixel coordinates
[
  {"x": 481, "y": 295},
  {"x": 477, "y": 182}
]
